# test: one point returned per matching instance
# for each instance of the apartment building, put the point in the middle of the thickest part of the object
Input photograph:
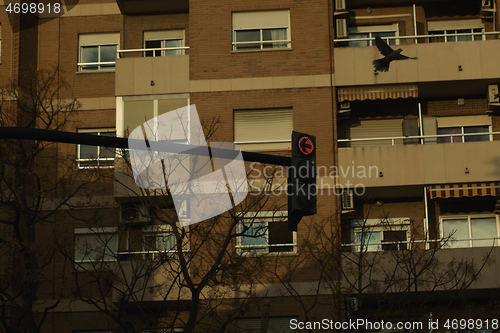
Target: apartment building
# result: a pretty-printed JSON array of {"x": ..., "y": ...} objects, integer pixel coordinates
[
  {"x": 413, "y": 150},
  {"x": 418, "y": 151},
  {"x": 119, "y": 260}
]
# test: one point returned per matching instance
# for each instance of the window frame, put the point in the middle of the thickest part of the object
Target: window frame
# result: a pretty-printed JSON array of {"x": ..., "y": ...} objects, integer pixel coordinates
[
  {"x": 263, "y": 217},
  {"x": 122, "y": 128},
  {"x": 162, "y": 36},
  {"x": 470, "y": 240},
  {"x": 452, "y": 27},
  {"x": 372, "y": 31},
  {"x": 265, "y": 23},
  {"x": 93, "y": 40},
  {"x": 379, "y": 226},
  {"x": 275, "y": 324},
  {"x": 462, "y": 138},
  {"x": 98, "y": 159},
  {"x": 162, "y": 230},
  {"x": 113, "y": 231},
  {"x": 157, "y": 231}
]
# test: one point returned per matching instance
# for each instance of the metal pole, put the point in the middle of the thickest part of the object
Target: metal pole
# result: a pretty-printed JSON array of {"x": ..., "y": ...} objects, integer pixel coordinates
[
  {"x": 414, "y": 23},
  {"x": 24, "y": 133},
  {"x": 426, "y": 223},
  {"x": 420, "y": 123},
  {"x": 265, "y": 316}
]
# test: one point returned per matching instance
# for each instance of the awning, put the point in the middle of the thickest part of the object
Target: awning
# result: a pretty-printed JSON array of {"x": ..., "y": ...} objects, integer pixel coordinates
[
  {"x": 464, "y": 190},
  {"x": 362, "y": 93}
]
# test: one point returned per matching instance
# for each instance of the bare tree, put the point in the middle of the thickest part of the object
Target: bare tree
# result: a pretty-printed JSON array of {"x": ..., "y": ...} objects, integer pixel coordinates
[
  {"x": 152, "y": 273},
  {"x": 395, "y": 279},
  {"x": 33, "y": 191}
]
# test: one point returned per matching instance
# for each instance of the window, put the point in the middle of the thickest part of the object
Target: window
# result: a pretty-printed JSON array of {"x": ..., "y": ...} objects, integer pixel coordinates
[
  {"x": 97, "y": 52},
  {"x": 462, "y": 27},
  {"x": 470, "y": 230},
  {"x": 95, "y": 245},
  {"x": 381, "y": 31},
  {"x": 381, "y": 235},
  {"x": 261, "y": 30},
  {"x": 139, "y": 109},
  {"x": 164, "y": 39},
  {"x": 159, "y": 242},
  {"x": 96, "y": 156},
  {"x": 274, "y": 325},
  {"x": 265, "y": 129},
  {"x": 464, "y": 130},
  {"x": 265, "y": 232}
]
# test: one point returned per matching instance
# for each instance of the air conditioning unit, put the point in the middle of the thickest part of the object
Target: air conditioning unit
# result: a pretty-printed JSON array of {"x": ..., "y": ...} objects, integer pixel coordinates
[
  {"x": 339, "y": 5},
  {"x": 135, "y": 214},
  {"x": 345, "y": 105},
  {"x": 341, "y": 28},
  {"x": 351, "y": 304},
  {"x": 493, "y": 96},
  {"x": 347, "y": 200},
  {"x": 487, "y": 5},
  {"x": 345, "y": 109}
]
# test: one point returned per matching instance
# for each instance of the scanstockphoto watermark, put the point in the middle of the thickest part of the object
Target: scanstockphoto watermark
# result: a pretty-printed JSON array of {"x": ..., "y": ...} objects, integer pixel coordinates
[
  {"x": 350, "y": 171},
  {"x": 327, "y": 324},
  {"x": 272, "y": 180}
]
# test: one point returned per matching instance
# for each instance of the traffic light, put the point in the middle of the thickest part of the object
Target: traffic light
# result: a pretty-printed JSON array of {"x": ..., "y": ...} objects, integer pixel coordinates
[{"x": 301, "y": 179}]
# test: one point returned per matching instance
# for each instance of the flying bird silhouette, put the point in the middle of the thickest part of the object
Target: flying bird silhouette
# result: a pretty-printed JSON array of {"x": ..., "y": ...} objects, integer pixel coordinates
[{"x": 389, "y": 55}]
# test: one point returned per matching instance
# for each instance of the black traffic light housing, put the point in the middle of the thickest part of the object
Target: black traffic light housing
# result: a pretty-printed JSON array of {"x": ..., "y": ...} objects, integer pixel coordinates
[{"x": 302, "y": 179}]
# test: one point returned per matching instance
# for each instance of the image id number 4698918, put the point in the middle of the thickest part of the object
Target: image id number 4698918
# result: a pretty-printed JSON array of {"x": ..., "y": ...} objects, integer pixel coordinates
[
  {"x": 471, "y": 324},
  {"x": 33, "y": 8}
]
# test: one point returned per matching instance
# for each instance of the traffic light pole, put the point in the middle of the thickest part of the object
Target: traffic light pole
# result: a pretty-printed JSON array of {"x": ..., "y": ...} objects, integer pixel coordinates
[
  {"x": 303, "y": 157},
  {"x": 23, "y": 133}
]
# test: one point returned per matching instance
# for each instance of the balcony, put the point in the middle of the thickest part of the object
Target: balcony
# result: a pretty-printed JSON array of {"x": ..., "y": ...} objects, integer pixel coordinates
[
  {"x": 144, "y": 7},
  {"x": 390, "y": 268},
  {"x": 357, "y": 3},
  {"x": 161, "y": 285},
  {"x": 450, "y": 61},
  {"x": 137, "y": 75},
  {"x": 418, "y": 164}
]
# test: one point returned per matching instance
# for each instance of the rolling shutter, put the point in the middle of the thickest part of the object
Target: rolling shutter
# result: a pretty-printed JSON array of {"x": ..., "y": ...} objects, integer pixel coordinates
[
  {"x": 269, "y": 129},
  {"x": 375, "y": 129}
]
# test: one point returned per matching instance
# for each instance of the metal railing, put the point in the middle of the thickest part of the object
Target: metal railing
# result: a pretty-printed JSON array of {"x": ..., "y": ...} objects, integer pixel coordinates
[
  {"x": 105, "y": 65},
  {"x": 414, "y": 37},
  {"x": 445, "y": 243},
  {"x": 152, "y": 50},
  {"x": 421, "y": 137},
  {"x": 262, "y": 43}
]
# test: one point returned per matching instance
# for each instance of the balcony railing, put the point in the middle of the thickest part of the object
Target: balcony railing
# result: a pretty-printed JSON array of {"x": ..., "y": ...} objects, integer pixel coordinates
[
  {"x": 443, "y": 243},
  {"x": 152, "y": 50},
  {"x": 415, "y": 37},
  {"x": 263, "y": 44},
  {"x": 419, "y": 137}
]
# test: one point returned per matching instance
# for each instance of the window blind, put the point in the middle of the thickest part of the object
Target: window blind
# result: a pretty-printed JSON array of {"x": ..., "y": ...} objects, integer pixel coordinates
[
  {"x": 261, "y": 19},
  {"x": 268, "y": 129}
]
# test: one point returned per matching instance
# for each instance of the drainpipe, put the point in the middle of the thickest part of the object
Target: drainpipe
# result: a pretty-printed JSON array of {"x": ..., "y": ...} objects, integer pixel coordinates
[
  {"x": 414, "y": 23},
  {"x": 426, "y": 222},
  {"x": 420, "y": 125}
]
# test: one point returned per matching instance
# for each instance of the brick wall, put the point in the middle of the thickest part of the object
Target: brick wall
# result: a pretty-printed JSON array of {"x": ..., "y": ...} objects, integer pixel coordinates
[
  {"x": 59, "y": 46},
  {"x": 211, "y": 38},
  {"x": 136, "y": 25},
  {"x": 450, "y": 107},
  {"x": 9, "y": 64}
]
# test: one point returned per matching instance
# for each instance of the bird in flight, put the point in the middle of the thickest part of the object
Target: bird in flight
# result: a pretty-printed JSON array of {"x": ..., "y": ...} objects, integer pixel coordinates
[{"x": 389, "y": 55}]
